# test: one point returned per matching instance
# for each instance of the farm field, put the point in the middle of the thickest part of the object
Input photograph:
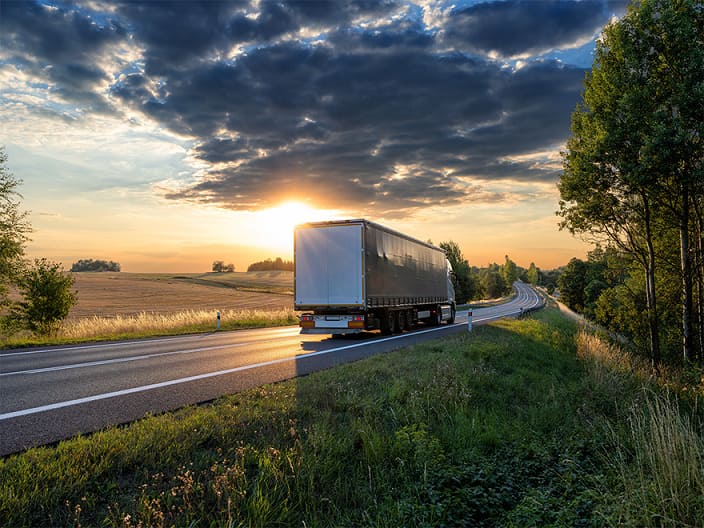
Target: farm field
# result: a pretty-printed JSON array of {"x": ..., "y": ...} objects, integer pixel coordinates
[{"x": 112, "y": 294}]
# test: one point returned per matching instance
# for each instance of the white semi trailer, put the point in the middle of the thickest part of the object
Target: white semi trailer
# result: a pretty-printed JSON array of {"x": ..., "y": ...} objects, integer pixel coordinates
[{"x": 355, "y": 275}]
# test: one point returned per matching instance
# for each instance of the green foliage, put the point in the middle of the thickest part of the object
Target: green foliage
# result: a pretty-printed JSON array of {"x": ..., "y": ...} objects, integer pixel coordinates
[
  {"x": 95, "y": 265},
  {"x": 533, "y": 274},
  {"x": 492, "y": 282},
  {"x": 14, "y": 230},
  {"x": 634, "y": 169},
  {"x": 510, "y": 271},
  {"x": 464, "y": 279},
  {"x": 47, "y": 297},
  {"x": 271, "y": 265}
]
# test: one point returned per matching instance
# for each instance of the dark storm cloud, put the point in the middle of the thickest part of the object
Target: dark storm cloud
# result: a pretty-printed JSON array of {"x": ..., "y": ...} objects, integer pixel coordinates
[
  {"x": 513, "y": 28},
  {"x": 177, "y": 32},
  {"x": 391, "y": 130},
  {"x": 65, "y": 46},
  {"x": 379, "y": 117}
]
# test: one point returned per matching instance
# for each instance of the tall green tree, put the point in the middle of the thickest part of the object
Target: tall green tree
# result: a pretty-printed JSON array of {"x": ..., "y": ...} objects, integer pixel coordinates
[
  {"x": 14, "y": 230},
  {"x": 636, "y": 156},
  {"x": 672, "y": 32},
  {"x": 607, "y": 190},
  {"x": 464, "y": 281}
]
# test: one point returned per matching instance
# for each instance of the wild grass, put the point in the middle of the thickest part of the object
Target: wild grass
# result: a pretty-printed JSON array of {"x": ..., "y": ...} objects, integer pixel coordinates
[
  {"x": 506, "y": 426},
  {"x": 147, "y": 324},
  {"x": 657, "y": 447},
  {"x": 661, "y": 465}
]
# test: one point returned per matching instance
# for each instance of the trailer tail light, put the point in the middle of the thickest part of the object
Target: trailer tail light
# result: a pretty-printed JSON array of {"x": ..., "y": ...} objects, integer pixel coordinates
[
  {"x": 307, "y": 321},
  {"x": 357, "y": 321}
]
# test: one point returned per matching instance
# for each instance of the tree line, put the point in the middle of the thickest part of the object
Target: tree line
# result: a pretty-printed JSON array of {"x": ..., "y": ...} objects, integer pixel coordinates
[
  {"x": 633, "y": 181},
  {"x": 494, "y": 280},
  {"x": 277, "y": 264},
  {"x": 95, "y": 265}
]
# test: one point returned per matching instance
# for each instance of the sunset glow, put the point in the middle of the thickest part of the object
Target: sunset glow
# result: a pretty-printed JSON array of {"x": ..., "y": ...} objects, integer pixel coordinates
[
  {"x": 167, "y": 138},
  {"x": 276, "y": 224}
]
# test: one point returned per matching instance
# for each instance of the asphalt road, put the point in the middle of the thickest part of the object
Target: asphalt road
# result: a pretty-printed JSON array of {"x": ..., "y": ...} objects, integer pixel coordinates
[{"x": 49, "y": 394}]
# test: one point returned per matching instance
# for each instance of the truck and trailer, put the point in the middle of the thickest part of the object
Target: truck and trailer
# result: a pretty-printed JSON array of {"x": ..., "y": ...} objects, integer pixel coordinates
[{"x": 354, "y": 276}]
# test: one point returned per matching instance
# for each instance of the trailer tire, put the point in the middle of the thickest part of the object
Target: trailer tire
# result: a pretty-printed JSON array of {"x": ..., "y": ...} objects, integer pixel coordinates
[
  {"x": 402, "y": 323},
  {"x": 388, "y": 323},
  {"x": 451, "y": 320},
  {"x": 437, "y": 321}
]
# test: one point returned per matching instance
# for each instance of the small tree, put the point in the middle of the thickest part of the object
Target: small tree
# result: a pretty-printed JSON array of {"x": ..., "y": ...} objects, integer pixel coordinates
[
  {"x": 533, "y": 274},
  {"x": 219, "y": 266},
  {"x": 47, "y": 297},
  {"x": 510, "y": 272}
]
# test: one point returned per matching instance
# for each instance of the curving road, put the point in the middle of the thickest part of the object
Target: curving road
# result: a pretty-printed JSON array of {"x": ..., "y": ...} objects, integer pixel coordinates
[{"x": 48, "y": 394}]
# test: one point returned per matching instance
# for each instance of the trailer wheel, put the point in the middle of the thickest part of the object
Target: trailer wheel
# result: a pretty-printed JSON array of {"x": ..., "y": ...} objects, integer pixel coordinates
[
  {"x": 388, "y": 323},
  {"x": 437, "y": 320},
  {"x": 451, "y": 320},
  {"x": 402, "y": 323}
]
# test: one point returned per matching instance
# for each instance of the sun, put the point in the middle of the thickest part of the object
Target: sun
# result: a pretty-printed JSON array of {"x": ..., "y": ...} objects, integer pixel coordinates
[
  {"x": 292, "y": 213},
  {"x": 277, "y": 223}
]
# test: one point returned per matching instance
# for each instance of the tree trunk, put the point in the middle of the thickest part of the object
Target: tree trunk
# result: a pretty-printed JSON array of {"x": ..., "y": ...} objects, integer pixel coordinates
[
  {"x": 699, "y": 271},
  {"x": 687, "y": 347},
  {"x": 650, "y": 291}
]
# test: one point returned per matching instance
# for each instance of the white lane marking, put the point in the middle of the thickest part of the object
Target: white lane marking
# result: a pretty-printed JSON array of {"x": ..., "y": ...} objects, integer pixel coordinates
[
  {"x": 118, "y": 360},
  {"x": 144, "y": 388},
  {"x": 130, "y": 343}
]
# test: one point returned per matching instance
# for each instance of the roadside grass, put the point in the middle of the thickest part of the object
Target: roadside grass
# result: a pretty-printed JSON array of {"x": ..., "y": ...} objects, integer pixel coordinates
[
  {"x": 147, "y": 324},
  {"x": 522, "y": 423}
]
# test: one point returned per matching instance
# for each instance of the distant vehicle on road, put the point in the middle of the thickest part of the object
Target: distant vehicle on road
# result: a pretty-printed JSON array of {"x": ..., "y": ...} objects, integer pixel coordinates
[{"x": 355, "y": 275}]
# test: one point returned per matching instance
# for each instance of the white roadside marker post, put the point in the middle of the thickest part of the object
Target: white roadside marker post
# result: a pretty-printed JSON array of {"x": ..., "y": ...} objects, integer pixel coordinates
[
  {"x": 217, "y": 324},
  {"x": 469, "y": 320}
]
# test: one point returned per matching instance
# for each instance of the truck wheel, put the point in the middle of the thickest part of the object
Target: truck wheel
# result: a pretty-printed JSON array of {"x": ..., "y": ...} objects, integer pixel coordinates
[
  {"x": 438, "y": 316},
  {"x": 451, "y": 320}
]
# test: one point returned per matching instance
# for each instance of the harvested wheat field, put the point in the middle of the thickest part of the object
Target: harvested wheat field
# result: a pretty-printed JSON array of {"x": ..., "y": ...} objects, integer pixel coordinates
[{"x": 111, "y": 294}]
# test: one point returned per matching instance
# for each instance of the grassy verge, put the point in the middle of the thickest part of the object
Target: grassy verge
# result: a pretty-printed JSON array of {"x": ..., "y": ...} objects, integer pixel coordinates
[
  {"x": 522, "y": 423},
  {"x": 152, "y": 325}
]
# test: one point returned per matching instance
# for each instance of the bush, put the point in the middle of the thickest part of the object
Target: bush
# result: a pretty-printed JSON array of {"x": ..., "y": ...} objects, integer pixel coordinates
[{"x": 47, "y": 297}]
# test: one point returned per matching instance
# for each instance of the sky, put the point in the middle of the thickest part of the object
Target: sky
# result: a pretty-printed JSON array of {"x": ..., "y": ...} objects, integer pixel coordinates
[{"x": 167, "y": 135}]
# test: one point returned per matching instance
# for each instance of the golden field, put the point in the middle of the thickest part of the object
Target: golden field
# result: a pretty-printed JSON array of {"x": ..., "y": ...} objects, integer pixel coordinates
[{"x": 128, "y": 294}]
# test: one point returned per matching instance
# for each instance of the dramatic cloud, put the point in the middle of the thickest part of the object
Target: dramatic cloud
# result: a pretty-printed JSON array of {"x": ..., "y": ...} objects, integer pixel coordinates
[
  {"x": 355, "y": 105},
  {"x": 524, "y": 28}
]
